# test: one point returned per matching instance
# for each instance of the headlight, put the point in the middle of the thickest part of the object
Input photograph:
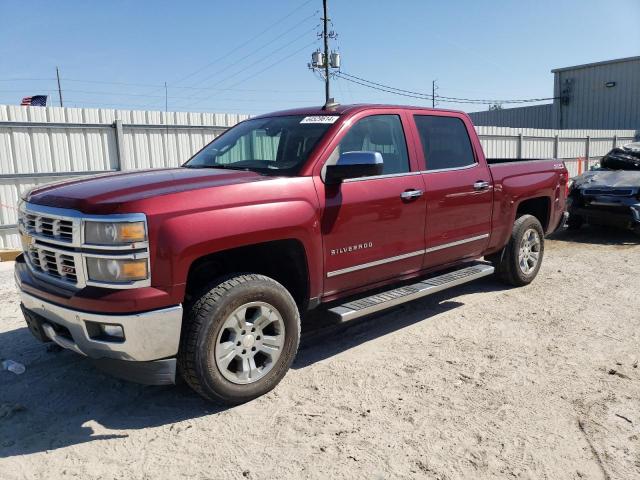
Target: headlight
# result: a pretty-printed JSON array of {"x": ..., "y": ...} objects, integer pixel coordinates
[
  {"x": 110, "y": 270},
  {"x": 114, "y": 233}
]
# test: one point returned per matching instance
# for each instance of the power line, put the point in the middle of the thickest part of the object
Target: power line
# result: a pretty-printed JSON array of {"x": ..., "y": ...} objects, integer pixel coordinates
[
  {"x": 271, "y": 26},
  {"x": 261, "y": 60},
  {"x": 426, "y": 96},
  {"x": 275, "y": 64},
  {"x": 253, "y": 52},
  {"x": 149, "y": 85},
  {"x": 197, "y": 98},
  {"x": 239, "y": 47},
  {"x": 159, "y": 97},
  {"x": 27, "y": 79},
  {"x": 420, "y": 96},
  {"x": 137, "y": 106}
]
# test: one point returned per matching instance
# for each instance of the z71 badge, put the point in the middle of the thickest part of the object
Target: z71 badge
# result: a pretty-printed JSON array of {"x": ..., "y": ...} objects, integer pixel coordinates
[{"x": 351, "y": 248}]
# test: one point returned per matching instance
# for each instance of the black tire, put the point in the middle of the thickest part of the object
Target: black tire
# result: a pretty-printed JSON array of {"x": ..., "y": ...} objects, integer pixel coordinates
[
  {"x": 574, "y": 222},
  {"x": 205, "y": 317},
  {"x": 507, "y": 262}
]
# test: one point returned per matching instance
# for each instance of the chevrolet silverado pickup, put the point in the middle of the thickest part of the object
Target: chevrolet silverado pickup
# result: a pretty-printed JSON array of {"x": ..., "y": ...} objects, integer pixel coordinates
[{"x": 202, "y": 272}]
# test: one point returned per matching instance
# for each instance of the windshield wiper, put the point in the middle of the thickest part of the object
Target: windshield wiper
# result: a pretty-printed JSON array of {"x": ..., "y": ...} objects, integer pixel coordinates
[{"x": 219, "y": 165}]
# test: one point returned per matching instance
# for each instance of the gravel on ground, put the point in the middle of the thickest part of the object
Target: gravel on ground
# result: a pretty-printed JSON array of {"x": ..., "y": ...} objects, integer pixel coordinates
[{"x": 481, "y": 381}]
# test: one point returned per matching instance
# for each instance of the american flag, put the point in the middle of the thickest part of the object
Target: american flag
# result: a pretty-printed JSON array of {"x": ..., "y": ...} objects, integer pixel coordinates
[{"x": 35, "y": 101}]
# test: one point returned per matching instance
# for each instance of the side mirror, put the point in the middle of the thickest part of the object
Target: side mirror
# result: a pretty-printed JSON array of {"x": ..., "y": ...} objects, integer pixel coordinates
[{"x": 354, "y": 165}]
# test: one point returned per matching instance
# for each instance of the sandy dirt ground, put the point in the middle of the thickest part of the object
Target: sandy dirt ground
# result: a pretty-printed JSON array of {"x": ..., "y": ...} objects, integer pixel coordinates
[{"x": 481, "y": 381}]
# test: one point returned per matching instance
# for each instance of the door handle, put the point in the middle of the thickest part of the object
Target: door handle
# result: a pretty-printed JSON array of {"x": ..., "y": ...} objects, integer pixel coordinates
[
  {"x": 481, "y": 185},
  {"x": 410, "y": 194}
]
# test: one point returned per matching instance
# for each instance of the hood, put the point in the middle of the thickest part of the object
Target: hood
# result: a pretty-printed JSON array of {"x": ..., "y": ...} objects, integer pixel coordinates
[
  {"x": 108, "y": 191},
  {"x": 608, "y": 178}
]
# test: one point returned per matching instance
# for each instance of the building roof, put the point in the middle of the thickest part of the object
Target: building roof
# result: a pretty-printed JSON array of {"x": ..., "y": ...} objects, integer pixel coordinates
[{"x": 595, "y": 64}]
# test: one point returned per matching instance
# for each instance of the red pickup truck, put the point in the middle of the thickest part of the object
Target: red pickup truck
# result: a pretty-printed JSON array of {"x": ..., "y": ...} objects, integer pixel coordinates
[{"x": 203, "y": 271}]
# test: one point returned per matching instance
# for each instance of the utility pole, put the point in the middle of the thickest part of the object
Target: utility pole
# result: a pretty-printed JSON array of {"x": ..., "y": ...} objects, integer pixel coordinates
[
  {"x": 59, "y": 89},
  {"x": 433, "y": 94},
  {"x": 323, "y": 61},
  {"x": 325, "y": 38},
  {"x": 166, "y": 109},
  {"x": 166, "y": 98}
]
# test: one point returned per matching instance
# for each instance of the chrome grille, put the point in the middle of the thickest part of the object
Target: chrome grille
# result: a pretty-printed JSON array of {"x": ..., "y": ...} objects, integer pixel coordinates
[
  {"x": 61, "y": 266},
  {"x": 614, "y": 192},
  {"x": 48, "y": 227},
  {"x": 53, "y": 246}
]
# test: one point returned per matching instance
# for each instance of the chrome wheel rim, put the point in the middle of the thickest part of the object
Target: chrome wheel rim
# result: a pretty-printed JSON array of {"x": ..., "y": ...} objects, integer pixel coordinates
[
  {"x": 249, "y": 343},
  {"x": 529, "y": 254}
]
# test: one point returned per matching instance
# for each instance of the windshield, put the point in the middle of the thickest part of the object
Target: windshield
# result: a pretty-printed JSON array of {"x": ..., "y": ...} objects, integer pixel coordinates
[{"x": 274, "y": 145}]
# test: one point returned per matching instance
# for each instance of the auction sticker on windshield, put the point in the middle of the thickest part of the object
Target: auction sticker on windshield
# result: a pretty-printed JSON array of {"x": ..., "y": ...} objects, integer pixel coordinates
[{"x": 320, "y": 119}]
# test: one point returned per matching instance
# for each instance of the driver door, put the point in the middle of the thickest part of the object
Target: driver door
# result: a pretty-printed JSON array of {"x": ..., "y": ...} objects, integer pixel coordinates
[{"x": 372, "y": 230}]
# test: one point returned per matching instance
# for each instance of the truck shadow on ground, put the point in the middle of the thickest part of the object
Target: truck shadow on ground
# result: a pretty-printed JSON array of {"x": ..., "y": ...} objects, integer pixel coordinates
[
  {"x": 62, "y": 400},
  {"x": 597, "y": 235}
]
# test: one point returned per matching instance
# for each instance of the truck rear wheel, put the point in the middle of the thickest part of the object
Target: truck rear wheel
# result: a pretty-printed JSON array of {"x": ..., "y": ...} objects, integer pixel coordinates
[
  {"x": 239, "y": 338},
  {"x": 519, "y": 262}
]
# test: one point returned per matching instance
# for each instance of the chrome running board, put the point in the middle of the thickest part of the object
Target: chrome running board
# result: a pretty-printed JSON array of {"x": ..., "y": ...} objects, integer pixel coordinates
[{"x": 381, "y": 301}]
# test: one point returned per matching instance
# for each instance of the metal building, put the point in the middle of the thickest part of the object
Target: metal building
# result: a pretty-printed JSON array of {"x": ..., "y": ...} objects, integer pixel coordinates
[{"x": 601, "y": 95}]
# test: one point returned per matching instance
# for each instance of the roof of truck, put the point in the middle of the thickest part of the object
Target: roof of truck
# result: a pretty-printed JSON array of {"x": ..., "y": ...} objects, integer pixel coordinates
[{"x": 341, "y": 109}]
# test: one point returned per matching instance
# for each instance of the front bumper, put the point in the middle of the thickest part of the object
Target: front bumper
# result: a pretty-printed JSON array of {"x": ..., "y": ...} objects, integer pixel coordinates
[
  {"x": 625, "y": 217},
  {"x": 146, "y": 354}
]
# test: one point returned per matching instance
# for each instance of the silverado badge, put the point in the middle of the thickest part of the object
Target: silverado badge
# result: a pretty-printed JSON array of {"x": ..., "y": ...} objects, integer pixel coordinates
[{"x": 351, "y": 248}]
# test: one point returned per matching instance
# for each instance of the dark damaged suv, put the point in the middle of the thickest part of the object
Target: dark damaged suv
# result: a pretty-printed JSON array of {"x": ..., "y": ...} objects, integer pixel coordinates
[{"x": 609, "y": 195}]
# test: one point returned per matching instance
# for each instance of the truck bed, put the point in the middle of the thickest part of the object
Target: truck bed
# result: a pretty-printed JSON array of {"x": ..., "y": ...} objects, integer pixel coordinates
[{"x": 492, "y": 161}]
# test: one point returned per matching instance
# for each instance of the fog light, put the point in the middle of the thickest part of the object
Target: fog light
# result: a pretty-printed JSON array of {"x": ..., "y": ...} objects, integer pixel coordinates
[
  {"x": 105, "y": 332},
  {"x": 112, "y": 330}
]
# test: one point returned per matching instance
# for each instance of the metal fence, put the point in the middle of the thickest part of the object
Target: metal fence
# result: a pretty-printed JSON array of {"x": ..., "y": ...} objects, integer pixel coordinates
[
  {"x": 580, "y": 149},
  {"x": 41, "y": 145}
]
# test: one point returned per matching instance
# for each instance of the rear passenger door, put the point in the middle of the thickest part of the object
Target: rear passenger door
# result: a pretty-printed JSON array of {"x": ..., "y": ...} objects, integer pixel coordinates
[{"x": 458, "y": 190}]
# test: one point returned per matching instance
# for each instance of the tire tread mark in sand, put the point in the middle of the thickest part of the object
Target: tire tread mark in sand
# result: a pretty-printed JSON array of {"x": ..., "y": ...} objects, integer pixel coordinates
[{"x": 593, "y": 450}]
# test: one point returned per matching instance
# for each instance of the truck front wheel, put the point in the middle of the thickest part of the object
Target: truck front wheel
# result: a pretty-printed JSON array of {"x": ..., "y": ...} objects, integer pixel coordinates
[
  {"x": 239, "y": 338},
  {"x": 519, "y": 262}
]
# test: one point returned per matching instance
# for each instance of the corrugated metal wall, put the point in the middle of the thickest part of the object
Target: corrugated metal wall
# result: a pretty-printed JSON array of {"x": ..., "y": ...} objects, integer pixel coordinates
[
  {"x": 536, "y": 116},
  {"x": 42, "y": 145},
  {"x": 591, "y": 104}
]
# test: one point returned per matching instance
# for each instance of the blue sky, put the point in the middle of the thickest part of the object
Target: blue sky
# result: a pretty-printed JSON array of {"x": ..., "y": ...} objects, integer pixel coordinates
[{"x": 208, "y": 53}]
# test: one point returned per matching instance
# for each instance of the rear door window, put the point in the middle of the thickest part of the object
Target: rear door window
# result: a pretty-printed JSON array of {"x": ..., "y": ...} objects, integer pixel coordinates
[{"x": 445, "y": 142}]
